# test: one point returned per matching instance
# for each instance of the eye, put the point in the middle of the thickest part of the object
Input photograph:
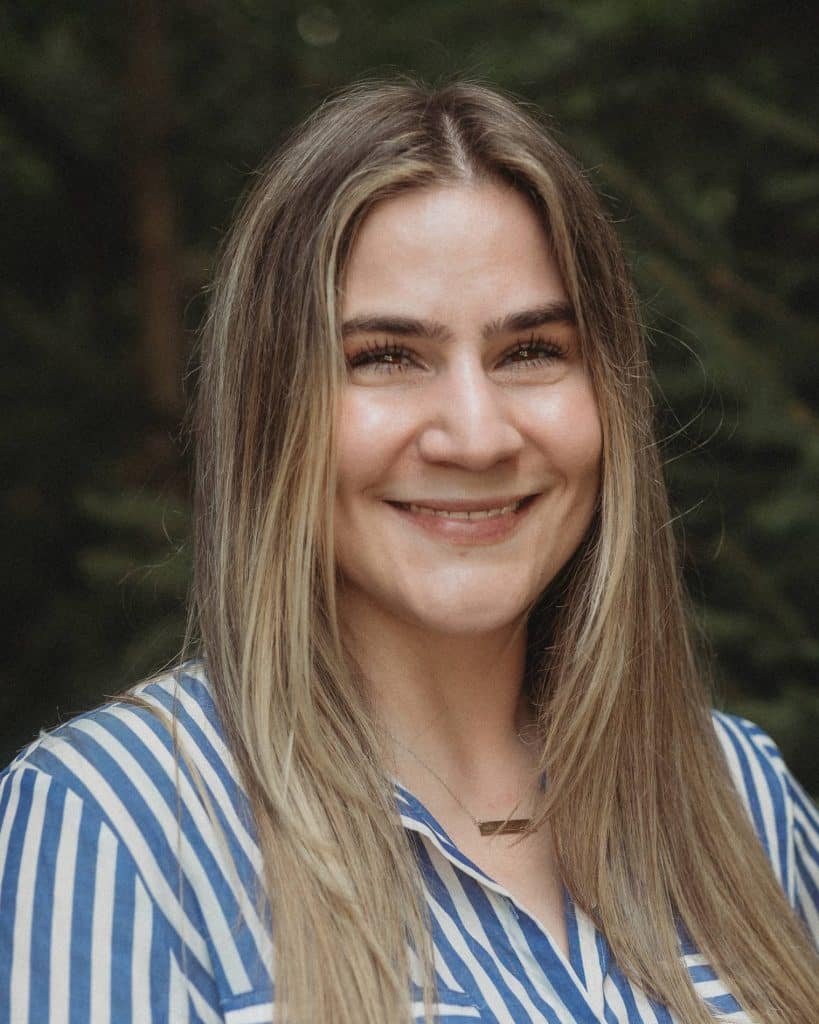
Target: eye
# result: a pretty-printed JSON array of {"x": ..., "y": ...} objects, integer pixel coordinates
[
  {"x": 381, "y": 357},
  {"x": 535, "y": 351}
]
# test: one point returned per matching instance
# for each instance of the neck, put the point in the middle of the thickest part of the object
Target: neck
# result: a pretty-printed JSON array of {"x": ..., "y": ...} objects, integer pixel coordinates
[{"x": 455, "y": 701}]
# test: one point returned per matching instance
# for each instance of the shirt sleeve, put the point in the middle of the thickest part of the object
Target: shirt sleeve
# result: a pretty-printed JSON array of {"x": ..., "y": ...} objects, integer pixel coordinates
[
  {"x": 798, "y": 825},
  {"x": 806, "y": 855},
  {"x": 81, "y": 938},
  {"x": 785, "y": 817}
]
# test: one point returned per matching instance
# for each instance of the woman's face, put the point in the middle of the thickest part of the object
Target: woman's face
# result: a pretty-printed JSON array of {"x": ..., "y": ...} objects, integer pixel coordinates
[{"x": 469, "y": 436}]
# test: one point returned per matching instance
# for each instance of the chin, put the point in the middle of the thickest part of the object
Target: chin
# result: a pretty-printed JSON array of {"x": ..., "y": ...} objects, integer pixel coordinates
[{"x": 465, "y": 617}]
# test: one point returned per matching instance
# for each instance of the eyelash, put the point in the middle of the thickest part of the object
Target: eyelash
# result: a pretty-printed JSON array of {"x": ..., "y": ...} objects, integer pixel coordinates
[{"x": 372, "y": 354}]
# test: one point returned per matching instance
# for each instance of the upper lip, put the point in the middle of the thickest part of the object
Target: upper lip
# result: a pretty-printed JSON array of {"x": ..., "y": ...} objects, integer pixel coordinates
[{"x": 461, "y": 504}]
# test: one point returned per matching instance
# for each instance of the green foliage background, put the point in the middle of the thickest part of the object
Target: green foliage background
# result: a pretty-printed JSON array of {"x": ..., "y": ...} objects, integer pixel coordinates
[{"x": 697, "y": 120}]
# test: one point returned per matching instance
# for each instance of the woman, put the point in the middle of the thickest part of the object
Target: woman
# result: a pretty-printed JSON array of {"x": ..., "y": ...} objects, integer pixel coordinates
[{"x": 446, "y": 749}]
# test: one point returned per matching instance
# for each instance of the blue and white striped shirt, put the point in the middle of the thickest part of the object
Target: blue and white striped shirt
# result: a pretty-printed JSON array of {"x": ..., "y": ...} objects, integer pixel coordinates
[{"x": 111, "y": 912}]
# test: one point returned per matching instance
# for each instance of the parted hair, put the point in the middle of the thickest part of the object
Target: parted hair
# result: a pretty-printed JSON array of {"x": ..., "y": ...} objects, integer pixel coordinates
[{"x": 650, "y": 833}]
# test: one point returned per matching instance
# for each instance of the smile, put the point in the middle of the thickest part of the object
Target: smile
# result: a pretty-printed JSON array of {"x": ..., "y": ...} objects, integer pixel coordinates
[
  {"x": 467, "y": 523},
  {"x": 467, "y": 514}
]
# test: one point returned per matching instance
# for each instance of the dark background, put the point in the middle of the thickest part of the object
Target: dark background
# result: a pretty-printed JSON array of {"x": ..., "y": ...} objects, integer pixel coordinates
[{"x": 127, "y": 133}]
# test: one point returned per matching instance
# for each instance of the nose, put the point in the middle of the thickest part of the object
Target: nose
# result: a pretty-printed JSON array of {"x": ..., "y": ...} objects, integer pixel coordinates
[{"x": 469, "y": 422}]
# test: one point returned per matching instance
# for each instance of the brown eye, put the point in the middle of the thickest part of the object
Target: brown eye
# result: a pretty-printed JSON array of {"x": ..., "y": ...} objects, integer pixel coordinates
[
  {"x": 381, "y": 358},
  {"x": 534, "y": 351}
]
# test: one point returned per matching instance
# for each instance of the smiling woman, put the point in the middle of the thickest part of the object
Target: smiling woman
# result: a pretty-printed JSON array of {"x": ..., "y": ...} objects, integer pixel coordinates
[{"x": 444, "y": 750}]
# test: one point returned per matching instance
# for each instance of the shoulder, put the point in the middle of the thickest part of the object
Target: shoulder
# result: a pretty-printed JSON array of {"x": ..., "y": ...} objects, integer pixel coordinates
[
  {"x": 784, "y": 816},
  {"x": 134, "y": 753},
  {"x": 153, "y": 770},
  {"x": 758, "y": 772},
  {"x": 146, "y": 783},
  {"x": 755, "y": 763},
  {"x": 134, "y": 811}
]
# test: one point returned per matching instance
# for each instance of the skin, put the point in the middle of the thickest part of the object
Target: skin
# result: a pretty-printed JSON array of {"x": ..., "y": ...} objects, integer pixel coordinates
[{"x": 482, "y": 413}]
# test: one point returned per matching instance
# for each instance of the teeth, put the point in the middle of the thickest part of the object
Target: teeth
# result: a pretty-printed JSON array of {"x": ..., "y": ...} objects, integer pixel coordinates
[{"x": 489, "y": 513}]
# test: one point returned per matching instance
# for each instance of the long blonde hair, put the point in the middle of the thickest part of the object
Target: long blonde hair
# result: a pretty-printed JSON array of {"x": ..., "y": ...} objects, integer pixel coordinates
[{"x": 649, "y": 830}]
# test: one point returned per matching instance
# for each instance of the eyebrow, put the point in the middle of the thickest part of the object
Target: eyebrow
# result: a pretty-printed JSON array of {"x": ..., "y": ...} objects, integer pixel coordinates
[
  {"x": 541, "y": 316},
  {"x": 403, "y": 326}
]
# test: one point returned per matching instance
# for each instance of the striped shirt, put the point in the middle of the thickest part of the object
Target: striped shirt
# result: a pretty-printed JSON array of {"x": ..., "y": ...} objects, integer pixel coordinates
[{"x": 119, "y": 902}]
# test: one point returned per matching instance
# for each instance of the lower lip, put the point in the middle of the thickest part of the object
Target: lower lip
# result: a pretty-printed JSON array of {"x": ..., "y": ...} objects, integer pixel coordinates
[{"x": 490, "y": 530}]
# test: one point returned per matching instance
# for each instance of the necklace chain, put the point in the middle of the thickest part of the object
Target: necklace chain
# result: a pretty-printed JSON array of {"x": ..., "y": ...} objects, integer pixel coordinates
[{"x": 492, "y": 827}]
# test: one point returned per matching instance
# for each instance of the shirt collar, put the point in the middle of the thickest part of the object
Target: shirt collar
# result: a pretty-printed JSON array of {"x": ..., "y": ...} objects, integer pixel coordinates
[{"x": 416, "y": 818}]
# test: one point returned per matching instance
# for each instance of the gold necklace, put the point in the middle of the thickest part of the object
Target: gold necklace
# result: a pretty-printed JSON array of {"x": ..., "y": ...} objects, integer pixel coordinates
[{"x": 493, "y": 827}]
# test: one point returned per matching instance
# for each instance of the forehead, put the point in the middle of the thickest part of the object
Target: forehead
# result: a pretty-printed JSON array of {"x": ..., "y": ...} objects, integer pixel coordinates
[{"x": 445, "y": 246}]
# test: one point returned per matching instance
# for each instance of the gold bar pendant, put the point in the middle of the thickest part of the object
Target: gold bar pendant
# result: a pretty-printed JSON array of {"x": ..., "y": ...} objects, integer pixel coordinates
[{"x": 503, "y": 828}]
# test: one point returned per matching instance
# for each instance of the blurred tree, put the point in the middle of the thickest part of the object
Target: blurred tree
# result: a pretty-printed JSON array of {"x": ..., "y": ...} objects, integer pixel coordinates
[
  {"x": 127, "y": 135},
  {"x": 152, "y": 201}
]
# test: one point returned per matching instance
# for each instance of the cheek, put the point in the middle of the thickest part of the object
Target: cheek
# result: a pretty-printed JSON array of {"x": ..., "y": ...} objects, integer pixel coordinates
[
  {"x": 571, "y": 433},
  {"x": 583, "y": 444},
  {"x": 369, "y": 439}
]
